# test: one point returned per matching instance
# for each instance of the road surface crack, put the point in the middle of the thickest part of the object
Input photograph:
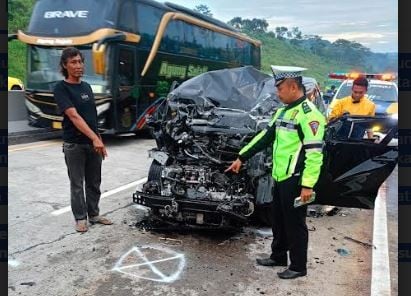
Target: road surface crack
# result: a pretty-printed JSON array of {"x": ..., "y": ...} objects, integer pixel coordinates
[{"x": 42, "y": 244}]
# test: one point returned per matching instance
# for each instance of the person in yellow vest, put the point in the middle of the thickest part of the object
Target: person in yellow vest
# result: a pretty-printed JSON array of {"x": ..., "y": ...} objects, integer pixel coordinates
[
  {"x": 296, "y": 134},
  {"x": 356, "y": 104}
]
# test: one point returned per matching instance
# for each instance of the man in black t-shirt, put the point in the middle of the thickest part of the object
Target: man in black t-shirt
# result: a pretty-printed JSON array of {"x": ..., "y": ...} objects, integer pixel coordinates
[{"x": 83, "y": 147}]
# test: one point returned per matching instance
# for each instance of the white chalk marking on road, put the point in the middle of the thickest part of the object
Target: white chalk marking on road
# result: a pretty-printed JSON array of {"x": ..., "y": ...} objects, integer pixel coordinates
[
  {"x": 138, "y": 252},
  {"x": 380, "y": 280},
  {"x": 34, "y": 146},
  {"x": 13, "y": 263},
  {"x": 105, "y": 194}
]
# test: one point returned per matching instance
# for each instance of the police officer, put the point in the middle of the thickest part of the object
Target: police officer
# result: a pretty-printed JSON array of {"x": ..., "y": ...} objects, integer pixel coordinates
[{"x": 296, "y": 132}]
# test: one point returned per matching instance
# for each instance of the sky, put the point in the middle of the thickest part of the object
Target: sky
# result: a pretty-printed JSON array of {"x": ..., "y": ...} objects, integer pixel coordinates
[{"x": 373, "y": 23}]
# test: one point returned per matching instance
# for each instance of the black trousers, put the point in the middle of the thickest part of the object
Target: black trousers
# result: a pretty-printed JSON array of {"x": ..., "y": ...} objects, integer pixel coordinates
[
  {"x": 289, "y": 228},
  {"x": 84, "y": 171}
]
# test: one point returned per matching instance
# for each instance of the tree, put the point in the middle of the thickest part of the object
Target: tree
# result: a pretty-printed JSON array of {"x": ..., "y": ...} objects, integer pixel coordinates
[
  {"x": 203, "y": 9},
  {"x": 281, "y": 32},
  {"x": 296, "y": 33},
  {"x": 18, "y": 12},
  {"x": 236, "y": 22},
  {"x": 249, "y": 26}
]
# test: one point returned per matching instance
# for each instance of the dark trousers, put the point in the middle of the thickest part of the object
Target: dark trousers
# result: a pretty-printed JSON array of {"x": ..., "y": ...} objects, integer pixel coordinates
[
  {"x": 84, "y": 171},
  {"x": 289, "y": 228}
]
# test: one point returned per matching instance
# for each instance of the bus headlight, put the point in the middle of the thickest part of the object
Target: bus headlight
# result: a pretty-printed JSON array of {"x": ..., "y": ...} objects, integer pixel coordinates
[
  {"x": 102, "y": 108},
  {"x": 394, "y": 116}
]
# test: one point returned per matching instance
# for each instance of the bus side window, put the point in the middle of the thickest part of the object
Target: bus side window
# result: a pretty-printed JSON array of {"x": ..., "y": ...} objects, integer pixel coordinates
[
  {"x": 125, "y": 67},
  {"x": 127, "y": 19}
]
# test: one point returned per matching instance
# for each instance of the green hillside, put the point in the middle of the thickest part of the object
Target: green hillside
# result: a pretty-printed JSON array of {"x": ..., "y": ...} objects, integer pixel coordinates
[
  {"x": 280, "y": 52},
  {"x": 17, "y": 60}
]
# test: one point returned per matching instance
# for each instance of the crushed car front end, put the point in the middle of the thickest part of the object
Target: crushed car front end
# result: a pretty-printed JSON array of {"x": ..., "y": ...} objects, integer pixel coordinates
[{"x": 203, "y": 124}]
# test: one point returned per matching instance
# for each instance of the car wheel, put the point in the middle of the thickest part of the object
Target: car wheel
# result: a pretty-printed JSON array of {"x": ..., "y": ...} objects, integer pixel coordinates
[
  {"x": 154, "y": 173},
  {"x": 15, "y": 87}
]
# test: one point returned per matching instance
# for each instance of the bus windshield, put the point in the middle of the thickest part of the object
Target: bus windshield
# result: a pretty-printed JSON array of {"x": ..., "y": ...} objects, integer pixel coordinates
[
  {"x": 71, "y": 18},
  {"x": 44, "y": 71}
]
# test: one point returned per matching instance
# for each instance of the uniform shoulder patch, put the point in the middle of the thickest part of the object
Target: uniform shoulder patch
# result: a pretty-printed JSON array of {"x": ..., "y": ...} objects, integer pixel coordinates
[
  {"x": 294, "y": 114},
  {"x": 306, "y": 108},
  {"x": 314, "y": 126}
]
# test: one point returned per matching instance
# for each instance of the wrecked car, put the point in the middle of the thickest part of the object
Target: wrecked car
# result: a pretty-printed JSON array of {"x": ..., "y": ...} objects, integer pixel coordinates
[{"x": 202, "y": 125}]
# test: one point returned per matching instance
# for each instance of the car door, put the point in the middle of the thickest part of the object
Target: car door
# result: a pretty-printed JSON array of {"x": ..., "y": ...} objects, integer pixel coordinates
[{"x": 355, "y": 167}]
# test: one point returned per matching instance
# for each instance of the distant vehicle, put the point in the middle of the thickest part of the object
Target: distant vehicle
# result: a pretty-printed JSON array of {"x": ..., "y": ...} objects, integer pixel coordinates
[
  {"x": 382, "y": 90},
  {"x": 334, "y": 79},
  {"x": 134, "y": 51},
  {"x": 14, "y": 84},
  {"x": 313, "y": 92}
]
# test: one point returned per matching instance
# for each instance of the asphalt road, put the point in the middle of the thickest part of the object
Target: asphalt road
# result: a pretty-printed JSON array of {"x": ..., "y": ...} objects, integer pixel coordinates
[{"x": 47, "y": 256}]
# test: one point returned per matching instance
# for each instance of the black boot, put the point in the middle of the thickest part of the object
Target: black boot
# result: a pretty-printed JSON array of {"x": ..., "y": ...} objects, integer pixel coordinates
[
  {"x": 270, "y": 262},
  {"x": 291, "y": 274}
]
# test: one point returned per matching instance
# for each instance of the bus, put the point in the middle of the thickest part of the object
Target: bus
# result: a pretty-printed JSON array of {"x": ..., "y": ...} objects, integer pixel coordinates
[{"x": 134, "y": 50}]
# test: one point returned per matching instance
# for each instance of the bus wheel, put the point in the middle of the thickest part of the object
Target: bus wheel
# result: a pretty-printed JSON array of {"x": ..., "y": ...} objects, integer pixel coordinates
[{"x": 154, "y": 173}]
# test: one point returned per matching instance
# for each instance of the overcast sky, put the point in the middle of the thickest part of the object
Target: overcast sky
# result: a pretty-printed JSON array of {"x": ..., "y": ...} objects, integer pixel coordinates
[{"x": 373, "y": 23}]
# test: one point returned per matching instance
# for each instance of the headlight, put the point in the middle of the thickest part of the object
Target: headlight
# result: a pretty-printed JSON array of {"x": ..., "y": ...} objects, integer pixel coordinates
[
  {"x": 376, "y": 128},
  {"x": 102, "y": 108},
  {"x": 394, "y": 116}
]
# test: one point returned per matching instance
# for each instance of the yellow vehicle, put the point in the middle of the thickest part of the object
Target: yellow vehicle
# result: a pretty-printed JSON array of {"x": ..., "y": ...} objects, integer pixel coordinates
[{"x": 14, "y": 84}]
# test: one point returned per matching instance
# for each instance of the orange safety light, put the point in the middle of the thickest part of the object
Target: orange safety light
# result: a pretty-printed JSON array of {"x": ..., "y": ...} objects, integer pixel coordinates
[
  {"x": 387, "y": 76},
  {"x": 354, "y": 75},
  {"x": 337, "y": 76}
]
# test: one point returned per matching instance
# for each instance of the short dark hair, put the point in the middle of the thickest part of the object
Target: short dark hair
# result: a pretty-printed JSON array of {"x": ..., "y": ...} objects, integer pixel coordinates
[
  {"x": 361, "y": 81},
  {"x": 299, "y": 81},
  {"x": 68, "y": 52}
]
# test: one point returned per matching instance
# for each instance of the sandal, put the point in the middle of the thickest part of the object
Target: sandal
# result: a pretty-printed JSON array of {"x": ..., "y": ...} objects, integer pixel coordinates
[
  {"x": 81, "y": 226},
  {"x": 100, "y": 220}
]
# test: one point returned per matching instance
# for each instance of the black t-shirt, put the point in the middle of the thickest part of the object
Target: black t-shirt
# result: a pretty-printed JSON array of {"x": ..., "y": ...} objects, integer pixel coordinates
[{"x": 79, "y": 96}]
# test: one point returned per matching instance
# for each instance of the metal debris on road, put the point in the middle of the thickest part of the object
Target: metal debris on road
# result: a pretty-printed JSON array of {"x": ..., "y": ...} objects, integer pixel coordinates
[
  {"x": 367, "y": 245},
  {"x": 167, "y": 239},
  {"x": 28, "y": 284}
]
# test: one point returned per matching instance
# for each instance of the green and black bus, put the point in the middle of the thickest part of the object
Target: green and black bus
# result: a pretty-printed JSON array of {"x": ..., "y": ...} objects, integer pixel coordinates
[{"x": 134, "y": 51}]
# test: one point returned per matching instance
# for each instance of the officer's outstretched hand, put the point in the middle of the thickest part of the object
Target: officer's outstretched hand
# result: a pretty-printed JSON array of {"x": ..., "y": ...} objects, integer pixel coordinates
[{"x": 235, "y": 166}]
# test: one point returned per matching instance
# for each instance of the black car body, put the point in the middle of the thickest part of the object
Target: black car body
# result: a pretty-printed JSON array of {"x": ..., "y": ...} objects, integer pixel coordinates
[{"x": 200, "y": 128}]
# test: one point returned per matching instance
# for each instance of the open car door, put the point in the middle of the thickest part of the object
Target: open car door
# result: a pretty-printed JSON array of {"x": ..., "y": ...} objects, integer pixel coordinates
[{"x": 355, "y": 166}]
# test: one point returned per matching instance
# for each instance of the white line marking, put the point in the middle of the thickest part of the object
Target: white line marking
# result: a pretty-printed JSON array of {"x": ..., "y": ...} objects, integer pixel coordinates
[
  {"x": 138, "y": 252},
  {"x": 380, "y": 280},
  {"x": 105, "y": 194},
  {"x": 151, "y": 262},
  {"x": 53, "y": 143},
  {"x": 13, "y": 263}
]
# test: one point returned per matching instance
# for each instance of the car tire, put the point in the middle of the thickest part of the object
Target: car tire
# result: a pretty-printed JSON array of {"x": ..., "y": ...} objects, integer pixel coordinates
[
  {"x": 154, "y": 173},
  {"x": 16, "y": 87}
]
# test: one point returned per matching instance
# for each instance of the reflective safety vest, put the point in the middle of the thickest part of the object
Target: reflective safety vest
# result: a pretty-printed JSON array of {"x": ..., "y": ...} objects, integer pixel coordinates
[{"x": 296, "y": 132}]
